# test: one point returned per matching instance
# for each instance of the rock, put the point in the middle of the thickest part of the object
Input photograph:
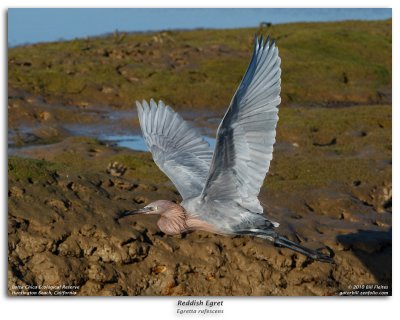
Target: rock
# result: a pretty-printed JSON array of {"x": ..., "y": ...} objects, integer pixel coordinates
[
  {"x": 102, "y": 273},
  {"x": 116, "y": 169},
  {"x": 53, "y": 270}
]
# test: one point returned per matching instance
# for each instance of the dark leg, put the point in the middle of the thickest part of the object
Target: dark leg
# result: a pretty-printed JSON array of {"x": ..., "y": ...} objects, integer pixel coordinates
[
  {"x": 281, "y": 241},
  {"x": 313, "y": 254}
]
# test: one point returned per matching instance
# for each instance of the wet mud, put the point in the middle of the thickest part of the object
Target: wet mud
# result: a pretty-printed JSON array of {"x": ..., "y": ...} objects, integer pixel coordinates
[{"x": 63, "y": 199}]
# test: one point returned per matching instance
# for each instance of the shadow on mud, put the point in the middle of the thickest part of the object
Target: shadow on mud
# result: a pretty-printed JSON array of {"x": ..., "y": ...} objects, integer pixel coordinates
[{"x": 374, "y": 249}]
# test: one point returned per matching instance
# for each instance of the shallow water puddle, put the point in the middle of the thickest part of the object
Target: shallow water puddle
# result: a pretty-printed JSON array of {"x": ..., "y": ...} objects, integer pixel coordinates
[
  {"x": 109, "y": 126},
  {"x": 136, "y": 142},
  {"x": 133, "y": 142}
]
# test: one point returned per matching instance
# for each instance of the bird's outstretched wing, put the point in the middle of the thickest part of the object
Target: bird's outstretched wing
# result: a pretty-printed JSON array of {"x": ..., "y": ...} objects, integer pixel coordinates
[
  {"x": 177, "y": 148},
  {"x": 246, "y": 135}
]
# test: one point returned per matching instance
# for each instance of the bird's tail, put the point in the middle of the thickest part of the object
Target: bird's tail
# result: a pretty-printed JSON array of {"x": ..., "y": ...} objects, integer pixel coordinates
[{"x": 282, "y": 241}]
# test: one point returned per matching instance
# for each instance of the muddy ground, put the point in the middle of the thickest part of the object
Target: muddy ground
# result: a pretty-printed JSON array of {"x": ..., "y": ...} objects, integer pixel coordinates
[
  {"x": 62, "y": 228},
  {"x": 329, "y": 185}
]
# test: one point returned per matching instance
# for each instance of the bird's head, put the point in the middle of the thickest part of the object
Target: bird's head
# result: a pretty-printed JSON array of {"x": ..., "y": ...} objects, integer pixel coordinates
[{"x": 156, "y": 207}]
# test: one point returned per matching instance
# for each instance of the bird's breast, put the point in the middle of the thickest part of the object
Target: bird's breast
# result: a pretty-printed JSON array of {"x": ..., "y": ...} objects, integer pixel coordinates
[
  {"x": 198, "y": 224},
  {"x": 172, "y": 226}
]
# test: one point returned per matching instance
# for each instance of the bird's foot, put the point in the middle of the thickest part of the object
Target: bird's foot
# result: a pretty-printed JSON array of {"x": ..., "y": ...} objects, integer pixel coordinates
[
  {"x": 316, "y": 255},
  {"x": 319, "y": 255}
]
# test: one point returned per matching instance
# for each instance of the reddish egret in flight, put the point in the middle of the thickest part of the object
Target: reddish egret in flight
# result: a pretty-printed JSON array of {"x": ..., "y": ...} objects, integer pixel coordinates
[{"x": 220, "y": 188}]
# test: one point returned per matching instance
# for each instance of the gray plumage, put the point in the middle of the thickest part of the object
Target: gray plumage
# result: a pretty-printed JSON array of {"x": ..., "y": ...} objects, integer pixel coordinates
[
  {"x": 246, "y": 135},
  {"x": 178, "y": 149},
  {"x": 220, "y": 188}
]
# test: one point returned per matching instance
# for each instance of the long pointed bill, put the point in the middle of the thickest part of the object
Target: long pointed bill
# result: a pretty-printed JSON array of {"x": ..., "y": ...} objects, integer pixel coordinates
[{"x": 133, "y": 212}]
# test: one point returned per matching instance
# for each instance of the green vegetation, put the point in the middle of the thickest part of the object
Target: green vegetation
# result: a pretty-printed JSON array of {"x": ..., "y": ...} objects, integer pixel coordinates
[
  {"x": 353, "y": 128},
  {"x": 30, "y": 170},
  {"x": 83, "y": 155},
  {"x": 316, "y": 147},
  {"x": 331, "y": 146},
  {"x": 141, "y": 166},
  {"x": 322, "y": 64}
]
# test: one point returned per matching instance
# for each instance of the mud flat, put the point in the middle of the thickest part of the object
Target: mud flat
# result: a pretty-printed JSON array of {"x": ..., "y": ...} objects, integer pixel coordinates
[
  {"x": 329, "y": 184},
  {"x": 62, "y": 208}
]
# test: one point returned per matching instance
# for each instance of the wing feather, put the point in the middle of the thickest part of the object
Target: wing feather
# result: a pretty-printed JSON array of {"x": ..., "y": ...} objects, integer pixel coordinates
[
  {"x": 246, "y": 135},
  {"x": 178, "y": 149}
]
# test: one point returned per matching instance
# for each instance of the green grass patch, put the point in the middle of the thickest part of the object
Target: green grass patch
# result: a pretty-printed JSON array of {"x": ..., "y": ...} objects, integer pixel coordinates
[
  {"x": 322, "y": 63},
  {"x": 31, "y": 170}
]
